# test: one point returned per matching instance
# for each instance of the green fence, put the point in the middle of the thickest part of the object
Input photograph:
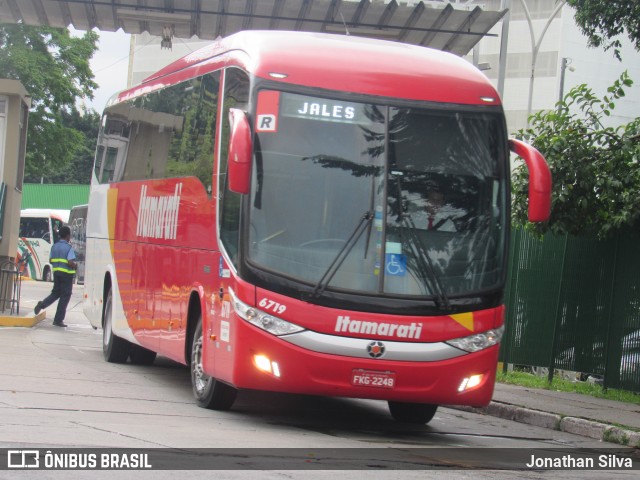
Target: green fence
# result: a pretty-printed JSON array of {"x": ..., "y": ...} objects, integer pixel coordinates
[
  {"x": 48, "y": 195},
  {"x": 573, "y": 303}
]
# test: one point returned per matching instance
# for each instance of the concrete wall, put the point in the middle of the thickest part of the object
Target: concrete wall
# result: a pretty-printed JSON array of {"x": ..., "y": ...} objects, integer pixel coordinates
[{"x": 17, "y": 105}]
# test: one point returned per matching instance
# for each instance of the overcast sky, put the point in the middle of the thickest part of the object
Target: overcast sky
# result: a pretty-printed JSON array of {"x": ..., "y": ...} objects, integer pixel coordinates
[{"x": 109, "y": 64}]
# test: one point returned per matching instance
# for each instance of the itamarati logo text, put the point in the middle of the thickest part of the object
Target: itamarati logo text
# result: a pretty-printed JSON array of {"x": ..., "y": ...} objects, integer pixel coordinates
[{"x": 158, "y": 216}]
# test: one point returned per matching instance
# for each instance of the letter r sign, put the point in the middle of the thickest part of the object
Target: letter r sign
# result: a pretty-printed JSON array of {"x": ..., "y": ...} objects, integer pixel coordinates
[
  {"x": 267, "y": 111},
  {"x": 266, "y": 123}
]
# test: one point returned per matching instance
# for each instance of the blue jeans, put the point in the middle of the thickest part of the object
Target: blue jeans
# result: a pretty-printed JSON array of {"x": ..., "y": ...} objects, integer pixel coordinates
[{"x": 62, "y": 288}]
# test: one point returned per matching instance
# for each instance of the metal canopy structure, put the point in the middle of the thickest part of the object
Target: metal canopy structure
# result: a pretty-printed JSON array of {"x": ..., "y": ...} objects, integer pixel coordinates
[{"x": 453, "y": 26}]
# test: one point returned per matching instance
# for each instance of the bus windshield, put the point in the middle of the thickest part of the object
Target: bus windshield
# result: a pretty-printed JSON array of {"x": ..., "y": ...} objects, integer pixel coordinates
[{"x": 378, "y": 199}]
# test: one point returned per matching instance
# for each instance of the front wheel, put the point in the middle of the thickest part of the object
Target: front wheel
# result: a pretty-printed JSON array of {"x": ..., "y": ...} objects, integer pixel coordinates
[
  {"x": 412, "y": 412},
  {"x": 114, "y": 349},
  {"x": 209, "y": 392}
]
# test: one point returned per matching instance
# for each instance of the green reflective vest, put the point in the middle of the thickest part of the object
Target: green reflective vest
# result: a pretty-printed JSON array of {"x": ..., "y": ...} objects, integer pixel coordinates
[{"x": 58, "y": 257}]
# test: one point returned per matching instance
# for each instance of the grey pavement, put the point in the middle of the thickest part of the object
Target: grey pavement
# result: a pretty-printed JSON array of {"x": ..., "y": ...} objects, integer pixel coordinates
[
  {"x": 596, "y": 418},
  {"x": 592, "y": 417}
]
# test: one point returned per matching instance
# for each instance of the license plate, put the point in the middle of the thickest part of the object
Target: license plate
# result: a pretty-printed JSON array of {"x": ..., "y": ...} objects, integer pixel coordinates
[{"x": 371, "y": 378}]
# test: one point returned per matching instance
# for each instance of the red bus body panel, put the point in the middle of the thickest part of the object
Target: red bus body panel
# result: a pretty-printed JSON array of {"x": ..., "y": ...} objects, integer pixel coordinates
[{"x": 315, "y": 373}]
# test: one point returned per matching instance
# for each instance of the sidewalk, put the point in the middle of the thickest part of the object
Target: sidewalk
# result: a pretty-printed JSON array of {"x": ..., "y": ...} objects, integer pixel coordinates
[{"x": 597, "y": 418}]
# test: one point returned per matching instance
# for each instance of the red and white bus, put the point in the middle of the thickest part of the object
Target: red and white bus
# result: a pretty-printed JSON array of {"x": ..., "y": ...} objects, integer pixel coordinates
[{"x": 260, "y": 211}]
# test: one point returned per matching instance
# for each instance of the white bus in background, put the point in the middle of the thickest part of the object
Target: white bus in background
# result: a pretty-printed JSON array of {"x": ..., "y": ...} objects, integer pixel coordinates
[{"x": 38, "y": 232}]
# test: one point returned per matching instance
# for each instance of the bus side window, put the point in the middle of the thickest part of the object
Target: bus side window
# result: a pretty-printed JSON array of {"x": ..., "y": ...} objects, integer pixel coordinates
[
  {"x": 168, "y": 133},
  {"x": 55, "y": 226},
  {"x": 236, "y": 95}
]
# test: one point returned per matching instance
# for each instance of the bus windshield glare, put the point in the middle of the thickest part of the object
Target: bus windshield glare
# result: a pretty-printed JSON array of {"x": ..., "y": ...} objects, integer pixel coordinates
[{"x": 378, "y": 199}]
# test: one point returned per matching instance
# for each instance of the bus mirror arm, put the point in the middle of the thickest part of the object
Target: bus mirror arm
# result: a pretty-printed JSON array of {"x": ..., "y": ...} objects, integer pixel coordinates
[
  {"x": 539, "y": 180},
  {"x": 240, "y": 148}
]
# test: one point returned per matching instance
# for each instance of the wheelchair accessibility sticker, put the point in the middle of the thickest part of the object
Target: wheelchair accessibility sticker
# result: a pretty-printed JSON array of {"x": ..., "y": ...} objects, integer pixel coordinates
[{"x": 395, "y": 264}]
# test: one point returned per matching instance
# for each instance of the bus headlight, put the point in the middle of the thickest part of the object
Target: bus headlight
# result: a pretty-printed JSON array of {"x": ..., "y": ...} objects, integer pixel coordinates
[
  {"x": 478, "y": 341},
  {"x": 263, "y": 320}
]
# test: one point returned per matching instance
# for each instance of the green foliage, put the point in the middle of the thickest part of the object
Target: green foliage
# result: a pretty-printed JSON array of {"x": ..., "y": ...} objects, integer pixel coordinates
[
  {"x": 595, "y": 170},
  {"x": 602, "y": 20},
  {"x": 533, "y": 381},
  {"x": 54, "y": 68},
  {"x": 78, "y": 170}
]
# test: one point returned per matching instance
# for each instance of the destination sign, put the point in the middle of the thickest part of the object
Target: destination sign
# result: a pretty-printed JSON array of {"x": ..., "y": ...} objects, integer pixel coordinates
[{"x": 301, "y": 106}]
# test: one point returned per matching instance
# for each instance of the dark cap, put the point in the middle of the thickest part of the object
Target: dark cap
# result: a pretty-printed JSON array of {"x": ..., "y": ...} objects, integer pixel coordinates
[{"x": 64, "y": 231}]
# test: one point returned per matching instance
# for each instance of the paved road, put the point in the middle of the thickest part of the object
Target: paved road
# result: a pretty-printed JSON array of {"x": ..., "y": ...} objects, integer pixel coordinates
[{"x": 57, "y": 391}]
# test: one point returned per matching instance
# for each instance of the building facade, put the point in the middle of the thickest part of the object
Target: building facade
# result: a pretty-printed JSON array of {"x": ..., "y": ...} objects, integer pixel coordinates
[{"x": 557, "y": 37}]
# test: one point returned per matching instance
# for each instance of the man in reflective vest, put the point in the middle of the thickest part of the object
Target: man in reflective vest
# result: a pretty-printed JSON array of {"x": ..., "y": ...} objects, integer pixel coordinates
[{"x": 63, "y": 263}]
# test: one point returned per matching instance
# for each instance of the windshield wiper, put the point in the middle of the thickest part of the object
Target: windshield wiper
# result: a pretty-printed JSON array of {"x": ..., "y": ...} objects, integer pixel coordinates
[
  {"x": 424, "y": 261},
  {"x": 371, "y": 210},
  {"x": 335, "y": 265}
]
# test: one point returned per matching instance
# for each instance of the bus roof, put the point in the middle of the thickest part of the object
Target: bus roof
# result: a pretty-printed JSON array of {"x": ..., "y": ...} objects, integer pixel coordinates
[
  {"x": 45, "y": 212},
  {"x": 336, "y": 62}
]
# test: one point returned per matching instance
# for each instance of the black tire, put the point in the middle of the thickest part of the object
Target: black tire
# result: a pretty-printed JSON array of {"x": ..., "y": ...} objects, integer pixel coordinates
[
  {"x": 141, "y": 356},
  {"x": 412, "y": 412},
  {"x": 46, "y": 275},
  {"x": 114, "y": 349},
  {"x": 209, "y": 392}
]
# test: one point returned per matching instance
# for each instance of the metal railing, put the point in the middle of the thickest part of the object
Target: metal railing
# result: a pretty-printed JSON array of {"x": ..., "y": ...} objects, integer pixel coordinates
[
  {"x": 11, "y": 272},
  {"x": 573, "y": 304}
]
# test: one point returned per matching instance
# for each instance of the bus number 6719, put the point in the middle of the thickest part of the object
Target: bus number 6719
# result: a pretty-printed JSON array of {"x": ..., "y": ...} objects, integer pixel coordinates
[{"x": 272, "y": 306}]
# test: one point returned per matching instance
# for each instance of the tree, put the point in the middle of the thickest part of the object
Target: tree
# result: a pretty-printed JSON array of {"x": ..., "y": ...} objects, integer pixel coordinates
[
  {"x": 79, "y": 169},
  {"x": 595, "y": 170},
  {"x": 54, "y": 68},
  {"x": 602, "y": 20}
]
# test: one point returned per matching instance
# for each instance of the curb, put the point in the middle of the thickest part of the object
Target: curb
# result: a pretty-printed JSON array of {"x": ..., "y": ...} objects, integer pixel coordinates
[
  {"x": 26, "y": 321},
  {"x": 577, "y": 426}
]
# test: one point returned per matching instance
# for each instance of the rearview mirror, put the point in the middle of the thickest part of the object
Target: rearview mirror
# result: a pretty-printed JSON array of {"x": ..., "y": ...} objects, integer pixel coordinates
[
  {"x": 539, "y": 180},
  {"x": 240, "y": 148}
]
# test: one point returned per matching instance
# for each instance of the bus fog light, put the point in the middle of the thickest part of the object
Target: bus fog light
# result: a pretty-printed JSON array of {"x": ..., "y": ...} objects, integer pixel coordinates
[
  {"x": 265, "y": 364},
  {"x": 262, "y": 362},
  {"x": 470, "y": 382}
]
